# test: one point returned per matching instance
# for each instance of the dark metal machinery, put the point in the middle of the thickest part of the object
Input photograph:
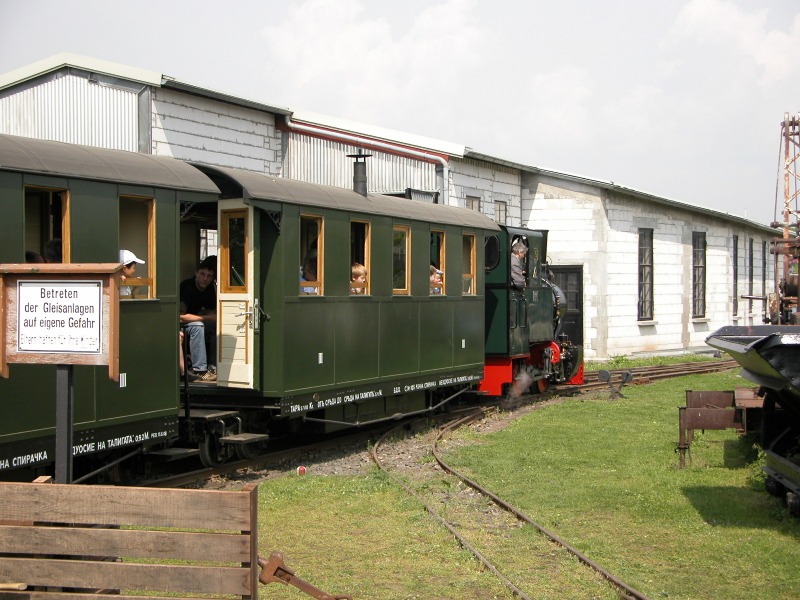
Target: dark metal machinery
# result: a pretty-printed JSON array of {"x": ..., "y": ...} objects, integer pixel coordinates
[
  {"x": 770, "y": 357},
  {"x": 770, "y": 354}
]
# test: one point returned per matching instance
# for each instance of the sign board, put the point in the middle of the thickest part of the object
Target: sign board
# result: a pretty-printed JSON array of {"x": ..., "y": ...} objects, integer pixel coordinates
[{"x": 64, "y": 314}]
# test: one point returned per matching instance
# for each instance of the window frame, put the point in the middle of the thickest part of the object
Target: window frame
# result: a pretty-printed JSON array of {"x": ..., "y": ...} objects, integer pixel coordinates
[
  {"x": 472, "y": 203},
  {"x": 406, "y": 289},
  {"x": 224, "y": 267},
  {"x": 366, "y": 252},
  {"x": 149, "y": 282},
  {"x": 699, "y": 262},
  {"x": 441, "y": 263},
  {"x": 319, "y": 284},
  {"x": 646, "y": 304},
  {"x": 468, "y": 267},
  {"x": 50, "y": 234},
  {"x": 497, "y": 210},
  {"x": 764, "y": 275},
  {"x": 735, "y": 260},
  {"x": 750, "y": 275}
]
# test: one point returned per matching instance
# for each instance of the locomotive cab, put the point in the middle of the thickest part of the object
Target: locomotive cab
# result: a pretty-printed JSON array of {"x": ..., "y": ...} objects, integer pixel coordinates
[{"x": 524, "y": 344}]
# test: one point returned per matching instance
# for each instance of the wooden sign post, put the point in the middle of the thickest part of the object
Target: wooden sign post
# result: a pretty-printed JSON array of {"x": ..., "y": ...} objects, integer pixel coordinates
[{"x": 61, "y": 314}]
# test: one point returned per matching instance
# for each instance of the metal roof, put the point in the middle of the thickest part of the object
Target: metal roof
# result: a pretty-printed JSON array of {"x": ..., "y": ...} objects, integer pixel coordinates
[
  {"x": 611, "y": 186},
  {"x": 87, "y": 162},
  {"x": 67, "y": 60},
  {"x": 258, "y": 186}
]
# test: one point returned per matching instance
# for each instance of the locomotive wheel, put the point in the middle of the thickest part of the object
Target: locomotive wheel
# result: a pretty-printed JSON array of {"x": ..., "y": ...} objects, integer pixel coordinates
[
  {"x": 249, "y": 451},
  {"x": 542, "y": 385},
  {"x": 774, "y": 487},
  {"x": 212, "y": 453}
]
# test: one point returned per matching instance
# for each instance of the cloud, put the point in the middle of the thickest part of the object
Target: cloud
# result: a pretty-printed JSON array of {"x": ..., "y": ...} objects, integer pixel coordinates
[
  {"x": 745, "y": 35},
  {"x": 366, "y": 63}
]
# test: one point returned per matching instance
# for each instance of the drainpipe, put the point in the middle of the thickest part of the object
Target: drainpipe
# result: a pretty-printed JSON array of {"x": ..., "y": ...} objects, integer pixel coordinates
[{"x": 444, "y": 186}]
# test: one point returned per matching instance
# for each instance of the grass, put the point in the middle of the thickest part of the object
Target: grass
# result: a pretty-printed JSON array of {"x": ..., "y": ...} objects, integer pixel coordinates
[
  {"x": 601, "y": 474},
  {"x": 604, "y": 475},
  {"x": 365, "y": 537}
]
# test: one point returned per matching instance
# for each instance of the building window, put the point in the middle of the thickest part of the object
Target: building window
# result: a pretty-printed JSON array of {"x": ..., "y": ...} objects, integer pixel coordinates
[
  {"x": 750, "y": 275},
  {"x": 764, "y": 275},
  {"x": 473, "y": 203},
  {"x": 137, "y": 234},
  {"x": 232, "y": 271},
  {"x": 311, "y": 264},
  {"x": 645, "y": 310},
  {"x": 698, "y": 274},
  {"x": 500, "y": 208},
  {"x": 437, "y": 268},
  {"x": 735, "y": 275},
  {"x": 468, "y": 264},
  {"x": 359, "y": 258},
  {"x": 46, "y": 225},
  {"x": 401, "y": 259}
]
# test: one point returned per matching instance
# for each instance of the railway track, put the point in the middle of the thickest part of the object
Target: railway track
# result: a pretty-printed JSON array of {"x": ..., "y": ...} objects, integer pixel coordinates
[
  {"x": 440, "y": 507},
  {"x": 642, "y": 375},
  {"x": 478, "y": 506},
  {"x": 358, "y": 439}
]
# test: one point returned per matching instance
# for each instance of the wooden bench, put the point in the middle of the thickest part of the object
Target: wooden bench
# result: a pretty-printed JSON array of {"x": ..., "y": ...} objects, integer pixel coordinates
[{"x": 73, "y": 542}]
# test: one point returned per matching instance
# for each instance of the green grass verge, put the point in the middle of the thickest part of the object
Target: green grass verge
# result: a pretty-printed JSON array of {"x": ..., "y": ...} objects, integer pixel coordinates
[
  {"x": 601, "y": 474},
  {"x": 365, "y": 537},
  {"x": 604, "y": 476}
]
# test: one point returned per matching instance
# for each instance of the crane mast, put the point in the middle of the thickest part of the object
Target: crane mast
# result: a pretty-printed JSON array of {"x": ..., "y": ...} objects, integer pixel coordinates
[{"x": 783, "y": 302}]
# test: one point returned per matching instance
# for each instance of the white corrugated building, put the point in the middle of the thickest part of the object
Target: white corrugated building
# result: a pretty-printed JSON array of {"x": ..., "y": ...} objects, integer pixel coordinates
[{"x": 643, "y": 274}]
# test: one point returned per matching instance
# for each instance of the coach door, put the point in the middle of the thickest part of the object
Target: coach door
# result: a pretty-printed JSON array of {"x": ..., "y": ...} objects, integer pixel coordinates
[{"x": 238, "y": 308}]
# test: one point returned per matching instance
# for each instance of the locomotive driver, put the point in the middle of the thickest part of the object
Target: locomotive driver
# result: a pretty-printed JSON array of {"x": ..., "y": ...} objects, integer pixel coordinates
[
  {"x": 518, "y": 271},
  {"x": 198, "y": 317}
]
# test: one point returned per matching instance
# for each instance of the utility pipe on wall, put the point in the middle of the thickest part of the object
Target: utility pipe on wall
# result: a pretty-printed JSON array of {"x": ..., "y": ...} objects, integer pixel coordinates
[{"x": 379, "y": 145}]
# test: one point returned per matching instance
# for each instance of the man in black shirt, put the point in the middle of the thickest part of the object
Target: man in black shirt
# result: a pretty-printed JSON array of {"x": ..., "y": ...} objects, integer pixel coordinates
[{"x": 198, "y": 312}]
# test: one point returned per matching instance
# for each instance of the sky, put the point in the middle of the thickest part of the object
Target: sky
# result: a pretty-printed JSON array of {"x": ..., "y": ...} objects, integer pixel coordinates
[{"x": 682, "y": 99}]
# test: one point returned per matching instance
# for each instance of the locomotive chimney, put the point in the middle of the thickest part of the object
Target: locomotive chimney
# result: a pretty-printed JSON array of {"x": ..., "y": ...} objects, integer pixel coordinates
[{"x": 360, "y": 172}]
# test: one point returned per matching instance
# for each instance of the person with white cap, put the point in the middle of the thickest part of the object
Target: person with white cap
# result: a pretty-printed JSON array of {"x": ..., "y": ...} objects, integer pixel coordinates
[{"x": 129, "y": 261}]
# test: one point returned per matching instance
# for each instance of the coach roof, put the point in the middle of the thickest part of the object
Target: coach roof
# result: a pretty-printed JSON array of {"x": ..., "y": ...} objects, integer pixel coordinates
[
  {"x": 101, "y": 164},
  {"x": 257, "y": 186}
]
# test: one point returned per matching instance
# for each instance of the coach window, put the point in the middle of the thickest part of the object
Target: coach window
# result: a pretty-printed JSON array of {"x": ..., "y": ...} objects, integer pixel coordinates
[
  {"x": 359, "y": 258},
  {"x": 468, "y": 264},
  {"x": 311, "y": 261},
  {"x": 401, "y": 259},
  {"x": 46, "y": 225},
  {"x": 232, "y": 270},
  {"x": 137, "y": 235},
  {"x": 437, "y": 269}
]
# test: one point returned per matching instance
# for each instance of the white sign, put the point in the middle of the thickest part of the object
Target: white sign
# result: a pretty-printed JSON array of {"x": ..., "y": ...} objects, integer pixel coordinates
[{"x": 60, "y": 316}]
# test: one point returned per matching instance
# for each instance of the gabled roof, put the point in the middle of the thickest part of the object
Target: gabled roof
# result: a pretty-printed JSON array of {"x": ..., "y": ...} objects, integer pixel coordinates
[
  {"x": 351, "y": 128},
  {"x": 66, "y": 60}
]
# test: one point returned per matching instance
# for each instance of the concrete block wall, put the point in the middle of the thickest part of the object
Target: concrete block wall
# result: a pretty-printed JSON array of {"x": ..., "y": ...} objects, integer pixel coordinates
[
  {"x": 209, "y": 131},
  {"x": 491, "y": 183},
  {"x": 599, "y": 229}
]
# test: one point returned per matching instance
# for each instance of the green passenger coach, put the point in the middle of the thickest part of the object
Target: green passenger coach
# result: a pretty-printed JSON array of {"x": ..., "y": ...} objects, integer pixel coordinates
[
  {"x": 78, "y": 204},
  {"x": 332, "y": 307},
  {"x": 297, "y": 330}
]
